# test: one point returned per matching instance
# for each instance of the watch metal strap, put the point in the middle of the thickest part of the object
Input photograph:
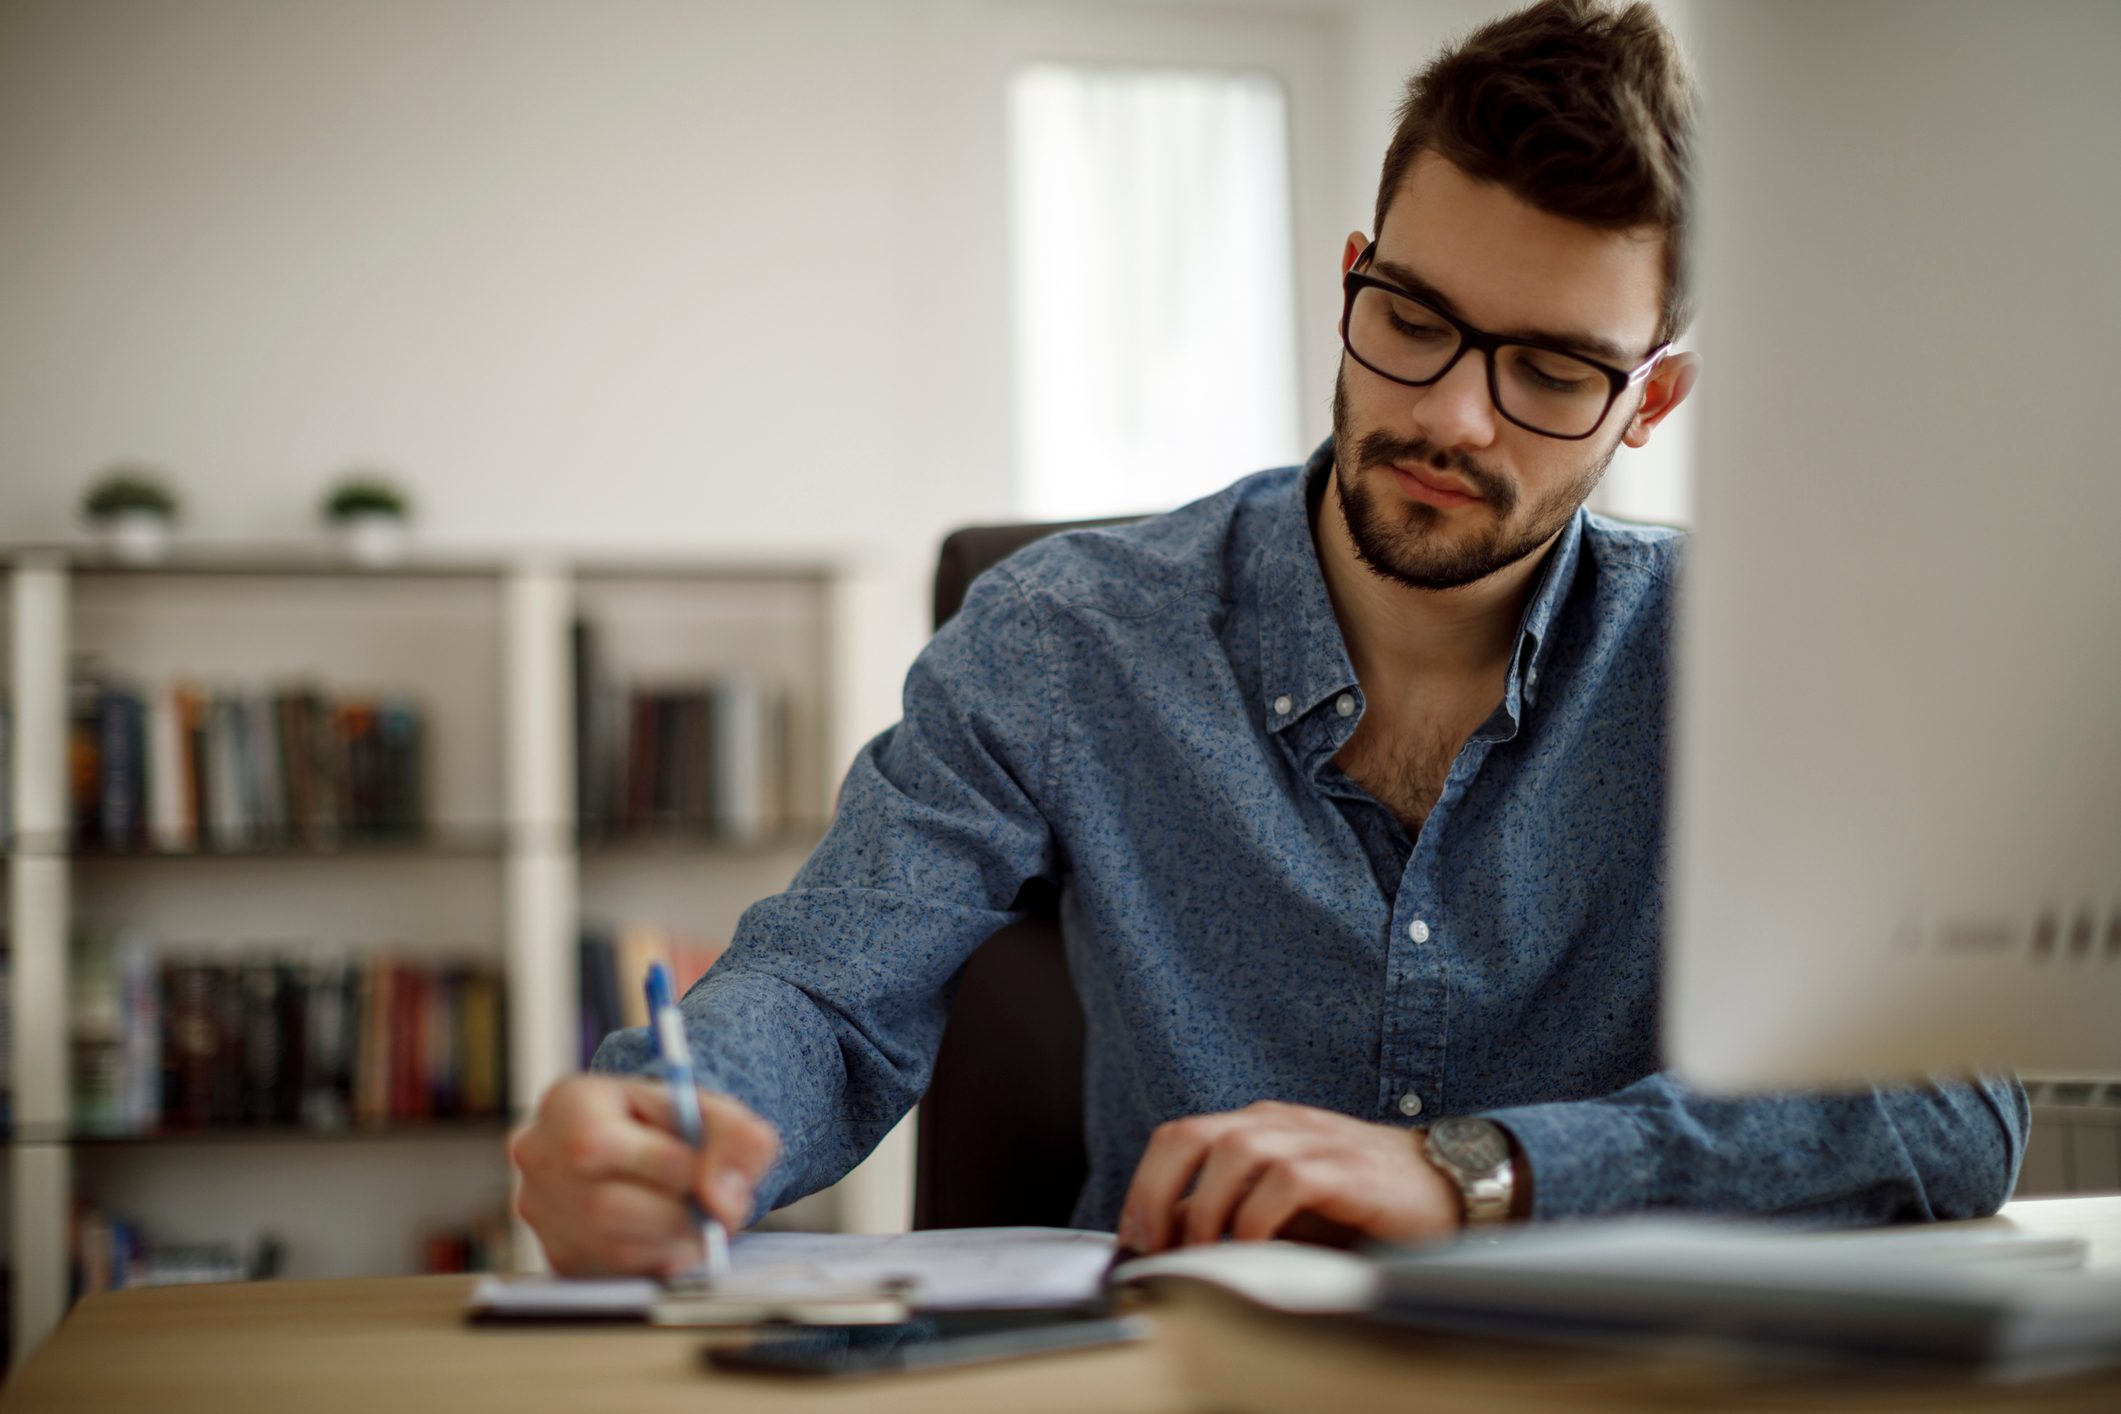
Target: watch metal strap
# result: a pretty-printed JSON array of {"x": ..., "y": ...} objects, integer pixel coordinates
[{"x": 1486, "y": 1193}]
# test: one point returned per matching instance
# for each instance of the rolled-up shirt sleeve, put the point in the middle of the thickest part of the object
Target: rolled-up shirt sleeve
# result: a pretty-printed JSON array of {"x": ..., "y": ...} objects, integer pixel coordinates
[
  {"x": 825, "y": 1013},
  {"x": 1946, "y": 1149}
]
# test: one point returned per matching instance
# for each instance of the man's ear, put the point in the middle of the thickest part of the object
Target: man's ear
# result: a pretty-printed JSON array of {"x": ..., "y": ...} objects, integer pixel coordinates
[
  {"x": 1350, "y": 253},
  {"x": 1666, "y": 389}
]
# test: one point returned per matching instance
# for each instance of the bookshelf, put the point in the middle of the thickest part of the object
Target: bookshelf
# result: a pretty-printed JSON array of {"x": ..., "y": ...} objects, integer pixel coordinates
[{"x": 497, "y": 874}]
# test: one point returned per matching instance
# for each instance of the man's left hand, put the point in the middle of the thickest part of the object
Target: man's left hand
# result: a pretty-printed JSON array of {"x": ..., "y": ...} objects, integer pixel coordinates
[{"x": 1253, "y": 1170}]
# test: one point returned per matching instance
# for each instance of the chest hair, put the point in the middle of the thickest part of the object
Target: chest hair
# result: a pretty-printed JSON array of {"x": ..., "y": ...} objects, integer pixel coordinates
[{"x": 1405, "y": 770}]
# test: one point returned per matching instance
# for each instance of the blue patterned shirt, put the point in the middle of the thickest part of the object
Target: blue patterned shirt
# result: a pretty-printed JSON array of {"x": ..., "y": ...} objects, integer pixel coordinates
[{"x": 1148, "y": 717}]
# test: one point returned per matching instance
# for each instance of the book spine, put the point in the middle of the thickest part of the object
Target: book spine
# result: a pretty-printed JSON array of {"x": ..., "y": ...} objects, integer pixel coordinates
[
  {"x": 224, "y": 766},
  {"x": 372, "y": 1073},
  {"x": 191, "y": 718},
  {"x": 119, "y": 745},
  {"x": 261, "y": 1060},
  {"x": 165, "y": 773},
  {"x": 96, "y": 1032},
  {"x": 292, "y": 1043},
  {"x": 84, "y": 758},
  {"x": 481, "y": 1032},
  {"x": 408, "y": 1039},
  {"x": 262, "y": 728},
  {"x": 192, "y": 1041},
  {"x": 324, "y": 1102},
  {"x": 140, "y": 1040},
  {"x": 291, "y": 743},
  {"x": 442, "y": 1068},
  {"x": 641, "y": 765},
  {"x": 401, "y": 785},
  {"x": 319, "y": 752},
  {"x": 229, "y": 1017}
]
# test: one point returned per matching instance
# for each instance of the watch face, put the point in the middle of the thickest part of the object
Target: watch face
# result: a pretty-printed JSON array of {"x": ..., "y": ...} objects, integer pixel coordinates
[{"x": 1472, "y": 1145}]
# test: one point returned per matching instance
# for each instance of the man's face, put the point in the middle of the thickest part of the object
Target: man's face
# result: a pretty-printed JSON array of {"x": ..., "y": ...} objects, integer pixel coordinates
[{"x": 1401, "y": 452}]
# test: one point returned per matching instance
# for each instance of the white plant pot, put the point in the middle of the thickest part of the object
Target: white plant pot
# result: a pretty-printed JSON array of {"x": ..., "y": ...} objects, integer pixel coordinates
[
  {"x": 373, "y": 537},
  {"x": 136, "y": 537}
]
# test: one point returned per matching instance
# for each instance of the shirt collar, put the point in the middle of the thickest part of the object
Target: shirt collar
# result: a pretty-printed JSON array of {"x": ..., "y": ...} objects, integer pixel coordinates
[
  {"x": 1303, "y": 657},
  {"x": 1536, "y": 631}
]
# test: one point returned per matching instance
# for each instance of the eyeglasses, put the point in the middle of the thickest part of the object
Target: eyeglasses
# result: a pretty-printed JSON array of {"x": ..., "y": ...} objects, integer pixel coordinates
[{"x": 1543, "y": 388}]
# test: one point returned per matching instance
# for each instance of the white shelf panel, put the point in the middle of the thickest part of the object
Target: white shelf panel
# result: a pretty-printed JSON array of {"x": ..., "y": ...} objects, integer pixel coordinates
[{"x": 445, "y": 907}]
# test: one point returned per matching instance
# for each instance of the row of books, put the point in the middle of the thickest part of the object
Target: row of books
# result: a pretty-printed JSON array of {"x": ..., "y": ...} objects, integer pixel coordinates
[
  {"x": 110, "y": 1253},
  {"x": 708, "y": 756},
  {"x": 183, "y": 766},
  {"x": 485, "y": 1244},
  {"x": 170, "y": 1042},
  {"x": 614, "y": 962}
]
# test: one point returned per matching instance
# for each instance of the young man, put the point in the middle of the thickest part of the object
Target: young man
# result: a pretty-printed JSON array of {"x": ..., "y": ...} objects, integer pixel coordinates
[{"x": 1351, "y": 778}]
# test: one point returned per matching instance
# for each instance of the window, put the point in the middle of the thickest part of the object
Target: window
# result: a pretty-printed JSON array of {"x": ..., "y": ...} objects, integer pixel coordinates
[{"x": 1155, "y": 324}]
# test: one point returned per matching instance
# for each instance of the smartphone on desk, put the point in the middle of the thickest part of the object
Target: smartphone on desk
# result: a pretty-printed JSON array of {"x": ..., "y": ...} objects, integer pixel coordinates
[{"x": 940, "y": 1341}]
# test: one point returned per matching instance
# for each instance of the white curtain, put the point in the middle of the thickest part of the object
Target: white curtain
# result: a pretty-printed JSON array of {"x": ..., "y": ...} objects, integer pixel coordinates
[{"x": 1155, "y": 321}]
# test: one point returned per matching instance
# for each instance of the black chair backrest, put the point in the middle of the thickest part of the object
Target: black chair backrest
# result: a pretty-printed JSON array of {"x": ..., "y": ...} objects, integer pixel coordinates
[{"x": 1001, "y": 1127}]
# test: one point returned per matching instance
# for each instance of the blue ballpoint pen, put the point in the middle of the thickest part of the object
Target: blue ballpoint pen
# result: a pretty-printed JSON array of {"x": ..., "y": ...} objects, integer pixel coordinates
[{"x": 676, "y": 1065}]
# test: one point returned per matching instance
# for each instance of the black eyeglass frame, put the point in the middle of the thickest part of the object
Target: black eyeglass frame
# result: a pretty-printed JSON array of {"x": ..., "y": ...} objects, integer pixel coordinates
[{"x": 1472, "y": 337}]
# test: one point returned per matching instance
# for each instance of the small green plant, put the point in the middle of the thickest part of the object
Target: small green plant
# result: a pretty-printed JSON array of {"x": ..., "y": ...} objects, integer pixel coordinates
[
  {"x": 365, "y": 494},
  {"x": 127, "y": 488}
]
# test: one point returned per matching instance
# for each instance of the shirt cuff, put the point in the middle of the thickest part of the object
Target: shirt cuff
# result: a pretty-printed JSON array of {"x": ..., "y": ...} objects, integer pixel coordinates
[{"x": 1586, "y": 1158}]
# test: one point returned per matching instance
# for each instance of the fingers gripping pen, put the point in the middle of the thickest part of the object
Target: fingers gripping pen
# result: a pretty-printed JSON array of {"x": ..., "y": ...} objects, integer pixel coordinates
[{"x": 675, "y": 1061}]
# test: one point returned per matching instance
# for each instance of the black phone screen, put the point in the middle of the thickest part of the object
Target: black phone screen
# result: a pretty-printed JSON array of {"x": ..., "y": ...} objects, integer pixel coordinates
[{"x": 930, "y": 1342}]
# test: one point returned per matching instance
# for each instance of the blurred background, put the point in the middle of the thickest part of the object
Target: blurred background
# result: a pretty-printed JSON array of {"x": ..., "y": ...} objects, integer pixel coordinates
[{"x": 651, "y": 348}]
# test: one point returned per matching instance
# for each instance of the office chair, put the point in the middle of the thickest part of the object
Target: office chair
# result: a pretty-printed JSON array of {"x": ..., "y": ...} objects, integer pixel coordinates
[{"x": 1001, "y": 1127}]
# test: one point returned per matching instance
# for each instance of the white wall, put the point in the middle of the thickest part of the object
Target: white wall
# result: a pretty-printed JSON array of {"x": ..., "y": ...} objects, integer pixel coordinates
[{"x": 546, "y": 258}]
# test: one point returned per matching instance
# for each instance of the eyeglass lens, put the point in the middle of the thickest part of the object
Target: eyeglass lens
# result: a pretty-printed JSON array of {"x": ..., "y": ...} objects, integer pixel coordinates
[{"x": 1404, "y": 338}]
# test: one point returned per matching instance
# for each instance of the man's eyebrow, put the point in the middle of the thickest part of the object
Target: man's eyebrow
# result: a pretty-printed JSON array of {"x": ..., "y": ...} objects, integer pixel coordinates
[{"x": 1595, "y": 345}]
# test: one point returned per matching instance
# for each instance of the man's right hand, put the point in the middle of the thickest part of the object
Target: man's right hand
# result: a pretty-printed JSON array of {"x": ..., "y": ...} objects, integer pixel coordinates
[{"x": 605, "y": 1176}]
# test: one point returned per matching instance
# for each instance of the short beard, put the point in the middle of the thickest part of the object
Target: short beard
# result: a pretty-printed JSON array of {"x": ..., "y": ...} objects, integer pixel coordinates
[{"x": 1414, "y": 552}]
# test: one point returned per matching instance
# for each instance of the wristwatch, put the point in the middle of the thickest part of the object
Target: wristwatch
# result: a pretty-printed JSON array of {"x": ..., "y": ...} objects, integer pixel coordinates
[{"x": 1476, "y": 1154}]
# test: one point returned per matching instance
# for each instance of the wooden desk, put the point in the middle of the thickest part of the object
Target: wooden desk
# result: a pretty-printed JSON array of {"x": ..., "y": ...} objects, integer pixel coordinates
[{"x": 397, "y": 1346}]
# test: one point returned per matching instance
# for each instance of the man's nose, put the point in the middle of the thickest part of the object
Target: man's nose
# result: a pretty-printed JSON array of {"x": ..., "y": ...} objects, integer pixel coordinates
[{"x": 1456, "y": 410}]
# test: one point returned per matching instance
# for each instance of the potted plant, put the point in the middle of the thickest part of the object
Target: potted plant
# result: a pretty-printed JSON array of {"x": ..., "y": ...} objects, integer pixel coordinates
[
  {"x": 370, "y": 516},
  {"x": 131, "y": 509}
]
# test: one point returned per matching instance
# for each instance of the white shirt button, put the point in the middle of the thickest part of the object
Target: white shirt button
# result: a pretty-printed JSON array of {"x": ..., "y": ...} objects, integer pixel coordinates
[
  {"x": 1418, "y": 931},
  {"x": 1346, "y": 705},
  {"x": 1282, "y": 704},
  {"x": 1410, "y": 1104}
]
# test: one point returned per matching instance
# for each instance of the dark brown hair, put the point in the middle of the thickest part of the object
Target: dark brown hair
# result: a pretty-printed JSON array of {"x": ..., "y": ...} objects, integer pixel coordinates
[{"x": 1581, "y": 109}]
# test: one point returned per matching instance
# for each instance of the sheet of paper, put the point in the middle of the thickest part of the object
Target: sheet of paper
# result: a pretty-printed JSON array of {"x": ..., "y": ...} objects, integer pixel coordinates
[
  {"x": 946, "y": 1269},
  {"x": 957, "y": 1269},
  {"x": 530, "y": 1298}
]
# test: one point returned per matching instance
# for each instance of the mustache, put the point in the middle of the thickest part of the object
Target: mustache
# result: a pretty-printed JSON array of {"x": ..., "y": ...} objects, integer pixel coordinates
[{"x": 1383, "y": 449}]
